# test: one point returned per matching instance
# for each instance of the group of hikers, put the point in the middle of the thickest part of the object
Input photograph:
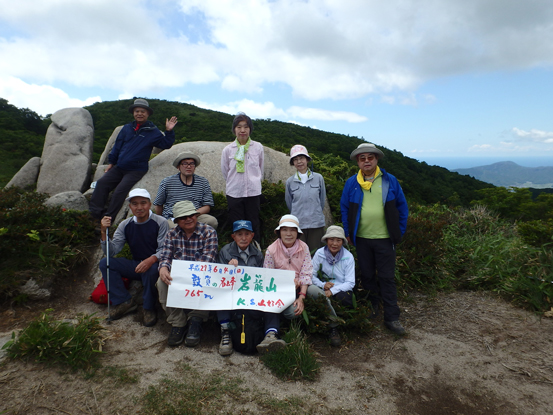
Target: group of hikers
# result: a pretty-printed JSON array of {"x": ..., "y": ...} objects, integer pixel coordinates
[{"x": 374, "y": 215}]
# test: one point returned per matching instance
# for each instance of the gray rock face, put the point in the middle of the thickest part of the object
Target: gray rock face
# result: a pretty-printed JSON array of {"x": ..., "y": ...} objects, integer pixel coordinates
[
  {"x": 103, "y": 162},
  {"x": 27, "y": 175},
  {"x": 68, "y": 200},
  {"x": 34, "y": 291},
  {"x": 277, "y": 168},
  {"x": 277, "y": 165},
  {"x": 67, "y": 154}
]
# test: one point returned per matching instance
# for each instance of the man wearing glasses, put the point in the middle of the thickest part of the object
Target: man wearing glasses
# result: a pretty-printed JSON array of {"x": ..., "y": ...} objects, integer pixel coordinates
[
  {"x": 185, "y": 185},
  {"x": 374, "y": 215}
]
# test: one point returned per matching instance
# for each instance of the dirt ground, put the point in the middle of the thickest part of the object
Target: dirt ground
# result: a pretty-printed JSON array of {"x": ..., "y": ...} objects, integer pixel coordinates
[{"x": 466, "y": 353}]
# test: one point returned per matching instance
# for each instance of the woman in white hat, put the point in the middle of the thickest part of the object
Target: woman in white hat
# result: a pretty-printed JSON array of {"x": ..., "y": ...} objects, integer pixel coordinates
[
  {"x": 289, "y": 253},
  {"x": 305, "y": 197}
]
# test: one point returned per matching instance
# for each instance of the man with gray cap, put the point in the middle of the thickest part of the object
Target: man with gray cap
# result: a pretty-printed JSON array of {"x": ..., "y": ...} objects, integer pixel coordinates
[
  {"x": 185, "y": 185},
  {"x": 374, "y": 214},
  {"x": 190, "y": 240},
  {"x": 128, "y": 159},
  {"x": 145, "y": 234}
]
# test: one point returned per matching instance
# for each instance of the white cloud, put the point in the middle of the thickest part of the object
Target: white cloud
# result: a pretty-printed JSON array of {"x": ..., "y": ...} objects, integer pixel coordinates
[
  {"x": 326, "y": 49},
  {"x": 43, "y": 99},
  {"x": 270, "y": 110},
  {"x": 324, "y": 115},
  {"x": 539, "y": 136}
]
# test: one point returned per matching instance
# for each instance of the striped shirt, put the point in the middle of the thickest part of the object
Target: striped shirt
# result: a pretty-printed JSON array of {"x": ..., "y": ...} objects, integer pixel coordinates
[
  {"x": 172, "y": 190},
  {"x": 201, "y": 247}
]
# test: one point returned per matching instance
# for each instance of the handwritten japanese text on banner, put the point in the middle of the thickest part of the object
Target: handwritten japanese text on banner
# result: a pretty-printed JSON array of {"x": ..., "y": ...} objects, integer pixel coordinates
[{"x": 208, "y": 286}]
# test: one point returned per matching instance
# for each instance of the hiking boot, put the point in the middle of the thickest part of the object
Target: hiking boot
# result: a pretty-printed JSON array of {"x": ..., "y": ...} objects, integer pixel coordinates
[
  {"x": 121, "y": 309},
  {"x": 395, "y": 327},
  {"x": 194, "y": 331},
  {"x": 334, "y": 337},
  {"x": 176, "y": 336},
  {"x": 150, "y": 318},
  {"x": 225, "y": 347},
  {"x": 271, "y": 343}
]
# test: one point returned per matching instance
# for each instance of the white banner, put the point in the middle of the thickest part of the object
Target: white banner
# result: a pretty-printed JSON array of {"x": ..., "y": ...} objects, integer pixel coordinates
[{"x": 208, "y": 286}]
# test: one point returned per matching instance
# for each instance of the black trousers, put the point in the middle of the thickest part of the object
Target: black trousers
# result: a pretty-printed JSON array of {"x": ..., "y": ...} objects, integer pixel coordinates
[
  {"x": 246, "y": 208},
  {"x": 377, "y": 262},
  {"x": 120, "y": 180}
]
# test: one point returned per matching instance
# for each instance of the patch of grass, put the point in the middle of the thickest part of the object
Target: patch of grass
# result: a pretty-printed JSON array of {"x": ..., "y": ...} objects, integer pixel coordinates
[
  {"x": 192, "y": 394},
  {"x": 296, "y": 361},
  {"x": 46, "y": 340},
  {"x": 119, "y": 375}
]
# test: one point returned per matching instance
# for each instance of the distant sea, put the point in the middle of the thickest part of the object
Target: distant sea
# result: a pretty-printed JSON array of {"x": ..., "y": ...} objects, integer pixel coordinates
[{"x": 452, "y": 163}]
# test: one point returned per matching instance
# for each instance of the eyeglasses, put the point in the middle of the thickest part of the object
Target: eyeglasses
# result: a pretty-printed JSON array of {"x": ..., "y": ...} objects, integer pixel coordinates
[
  {"x": 369, "y": 157},
  {"x": 185, "y": 164}
]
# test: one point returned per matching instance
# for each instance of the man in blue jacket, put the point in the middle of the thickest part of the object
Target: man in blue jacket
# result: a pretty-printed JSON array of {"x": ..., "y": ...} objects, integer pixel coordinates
[
  {"x": 374, "y": 215},
  {"x": 128, "y": 160}
]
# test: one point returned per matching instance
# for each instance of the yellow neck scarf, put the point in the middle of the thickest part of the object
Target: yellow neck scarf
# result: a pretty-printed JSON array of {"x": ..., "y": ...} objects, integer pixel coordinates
[{"x": 361, "y": 179}]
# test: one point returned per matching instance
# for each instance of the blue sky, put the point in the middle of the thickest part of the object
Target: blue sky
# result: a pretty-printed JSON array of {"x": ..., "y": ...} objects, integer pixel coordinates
[{"x": 429, "y": 78}]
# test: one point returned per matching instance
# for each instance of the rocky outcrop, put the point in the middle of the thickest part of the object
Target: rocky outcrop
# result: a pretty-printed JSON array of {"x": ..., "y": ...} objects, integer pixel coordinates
[
  {"x": 103, "y": 162},
  {"x": 67, "y": 155},
  {"x": 27, "y": 175},
  {"x": 68, "y": 200}
]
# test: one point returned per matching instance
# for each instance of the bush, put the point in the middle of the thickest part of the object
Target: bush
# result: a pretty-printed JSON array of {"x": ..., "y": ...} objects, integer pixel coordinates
[
  {"x": 38, "y": 241},
  {"x": 49, "y": 341},
  {"x": 536, "y": 232}
]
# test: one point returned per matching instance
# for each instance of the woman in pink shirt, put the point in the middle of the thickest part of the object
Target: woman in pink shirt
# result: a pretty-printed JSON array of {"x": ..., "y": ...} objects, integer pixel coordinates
[
  {"x": 242, "y": 167},
  {"x": 290, "y": 253}
]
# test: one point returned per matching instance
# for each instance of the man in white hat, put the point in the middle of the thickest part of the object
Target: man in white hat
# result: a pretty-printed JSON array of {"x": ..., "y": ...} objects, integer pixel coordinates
[
  {"x": 374, "y": 214},
  {"x": 128, "y": 159},
  {"x": 190, "y": 240},
  {"x": 145, "y": 233},
  {"x": 185, "y": 185}
]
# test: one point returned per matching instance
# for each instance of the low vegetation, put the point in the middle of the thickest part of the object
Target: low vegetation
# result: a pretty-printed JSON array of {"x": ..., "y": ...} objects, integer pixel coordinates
[
  {"x": 76, "y": 345},
  {"x": 38, "y": 242},
  {"x": 297, "y": 361}
]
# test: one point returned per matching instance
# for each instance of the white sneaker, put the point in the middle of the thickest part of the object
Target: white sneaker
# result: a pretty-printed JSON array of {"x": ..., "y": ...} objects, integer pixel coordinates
[
  {"x": 225, "y": 347},
  {"x": 271, "y": 343}
]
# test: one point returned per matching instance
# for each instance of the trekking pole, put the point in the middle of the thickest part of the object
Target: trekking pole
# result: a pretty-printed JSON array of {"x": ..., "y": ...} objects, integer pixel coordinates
[{"x": 107, "y": 270}]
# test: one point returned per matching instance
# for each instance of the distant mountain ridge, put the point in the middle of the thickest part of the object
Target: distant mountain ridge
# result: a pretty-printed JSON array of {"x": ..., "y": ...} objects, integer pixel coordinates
[{"x": 508, "y": 173}]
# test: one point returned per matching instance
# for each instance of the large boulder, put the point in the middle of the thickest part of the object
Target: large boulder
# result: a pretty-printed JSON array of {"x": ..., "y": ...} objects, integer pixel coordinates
[
  {"x": 103, "y": 162},
  {"x": 67, "y": 154},
  {"x": 277, "y": 167},
  {"x": 69, "y": 200},
  {"x": 27, "y": 175}
]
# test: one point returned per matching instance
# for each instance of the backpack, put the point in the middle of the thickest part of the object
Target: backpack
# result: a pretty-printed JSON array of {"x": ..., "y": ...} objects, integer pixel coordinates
[
  {"x": 100, "y": 293},
  {"x": 248, "y": 330}
]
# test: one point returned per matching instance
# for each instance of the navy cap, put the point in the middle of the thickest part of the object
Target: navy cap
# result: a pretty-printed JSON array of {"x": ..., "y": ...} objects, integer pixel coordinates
[{"x": 242, "y": 224}]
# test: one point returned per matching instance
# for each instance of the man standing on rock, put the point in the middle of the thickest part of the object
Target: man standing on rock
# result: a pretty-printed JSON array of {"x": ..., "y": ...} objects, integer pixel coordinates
[
  {"x": 190, "y": 240},
  {"x": 185, "y": 185},
  {"x": 145, "y": 234},
  {"x": 128, "y": 160},
  {"x": 374, "y": 214}
]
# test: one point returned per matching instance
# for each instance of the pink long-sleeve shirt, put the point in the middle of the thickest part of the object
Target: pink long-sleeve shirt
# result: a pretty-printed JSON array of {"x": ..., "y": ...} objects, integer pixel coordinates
[{"x": 245, "y": 184}]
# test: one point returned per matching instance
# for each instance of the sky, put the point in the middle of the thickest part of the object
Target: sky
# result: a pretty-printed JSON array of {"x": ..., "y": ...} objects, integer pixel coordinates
[{"x": 429, "y": 78}]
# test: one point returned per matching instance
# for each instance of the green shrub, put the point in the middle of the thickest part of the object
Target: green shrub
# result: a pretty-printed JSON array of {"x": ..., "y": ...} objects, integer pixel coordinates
[
  {"x": 296, "y": 361},
  {"x": 50, "y": 341},
  {"x": 38, "y": 241},
  {"x": 536, "y": 232},
  {"x": 421, "y": 253}
]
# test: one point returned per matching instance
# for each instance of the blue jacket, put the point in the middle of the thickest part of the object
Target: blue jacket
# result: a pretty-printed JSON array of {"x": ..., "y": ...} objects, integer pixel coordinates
[
  {"x": 393, "y": 201},
  {"x": 132, "y": 149}
]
